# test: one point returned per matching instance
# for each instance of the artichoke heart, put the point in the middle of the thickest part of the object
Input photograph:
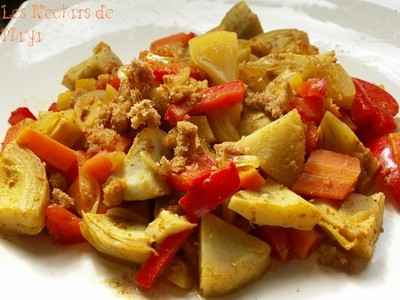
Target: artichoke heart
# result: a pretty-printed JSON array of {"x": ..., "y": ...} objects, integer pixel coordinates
[
  {"x": 242, "y": 20},
  {"x": 356, "y": 225},
  {"x": 102, "y": 61},
  {"x": 24, "y": 191},
  {"x": 142, "y": 179},
  {"x": 117, "y": 236},
  {"x": 275, "y": 205},
  {"x": 167, "y": 223}
]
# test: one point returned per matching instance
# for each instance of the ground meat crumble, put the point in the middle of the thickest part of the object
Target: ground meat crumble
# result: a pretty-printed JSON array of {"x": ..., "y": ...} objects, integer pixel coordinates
[
  {"x": 61, "y": 198},
  {"x": 113, "y": 191},
  {"x": 143, "y": 114},
  {"x": 187, "y": 146}
]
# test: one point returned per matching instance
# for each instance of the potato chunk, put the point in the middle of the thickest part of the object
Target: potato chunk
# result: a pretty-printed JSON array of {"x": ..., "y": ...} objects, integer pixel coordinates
[
  {"x": 139, "y": 169},
  {"x": 275, "y": 205},
  {"x": 280, "y": 146},
  {"x": 357, "y": 224},
  {"x": 60, "y": 126},
  {"x": 24, "y": 191},
  {"x": 102, "y": 61},
  {"x": 115, "y": 236},
  {"x": 216, "y": 53},
  {"x": 229, "y": 257}
]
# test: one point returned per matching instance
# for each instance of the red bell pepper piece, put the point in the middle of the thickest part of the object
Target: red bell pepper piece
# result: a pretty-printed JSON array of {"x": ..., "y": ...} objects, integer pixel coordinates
[
  {"x": 176, "y": 113},
  {"x": 381, "y": 149},
  {"x": 193, "y": 174},
  {"x": 220, "y": 96},
  {"x": 181, "y": 37},
  {"x": 311, "y": 103},
  {"x": 20, "y": 114},
  {"x": 160, "y": 72},
  {"x": 62, "y": 225},
  {"x": 313, "y": 87},
  {"x": 216, "y": 97},
  {"x": 373, "y": 110},
  {"x": 378, "y": 95},
  {"x": 388, "y": 177},
  {"x": 278, "y": 239},
  {"x": 210, "y": 193},
  {"x": 157, "y": 262},
  {"x": 105, "y": 79},
  {"x": 114, "y": 81},
  {"x": 197, "y": 73}
]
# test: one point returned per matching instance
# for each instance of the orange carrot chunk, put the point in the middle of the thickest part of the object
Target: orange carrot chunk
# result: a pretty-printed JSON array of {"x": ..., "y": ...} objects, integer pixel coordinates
[
  {"x": 303, "y": 242},
  {"x": 98, "y": 167},
  {"x": 251, "y": 179},
  {"x": 180, "y": 37},
  {"x": 278, "y": 239},
  {"x": 328, "y": 175},
  {"x": 49, "y": 150}
]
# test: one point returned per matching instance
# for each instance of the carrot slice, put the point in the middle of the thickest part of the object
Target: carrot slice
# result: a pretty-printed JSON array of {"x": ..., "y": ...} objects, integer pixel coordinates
[
  {"x": 86, "y": 191},
  {"x": 278, "y": 238},
  {"x": 99, "y": 167},
  {"x": 328, "y": 175},
  {"x": 172, "y": 39},
  {"x": 49, "y": 150},
  {"x": 303, "y": 242},
  {"x": 251, "y": 179}
]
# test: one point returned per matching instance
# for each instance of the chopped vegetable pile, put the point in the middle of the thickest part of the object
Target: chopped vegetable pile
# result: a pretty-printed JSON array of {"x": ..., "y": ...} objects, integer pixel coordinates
[{"x": 206, "y": 156}]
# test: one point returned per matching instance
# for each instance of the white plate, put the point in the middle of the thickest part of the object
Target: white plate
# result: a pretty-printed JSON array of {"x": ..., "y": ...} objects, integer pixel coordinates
[{"x": 366, "y": 39}]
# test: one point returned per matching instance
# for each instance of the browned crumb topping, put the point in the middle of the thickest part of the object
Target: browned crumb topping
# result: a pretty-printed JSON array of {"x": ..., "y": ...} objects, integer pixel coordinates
[
  {"x": 143, "y": 113},
  {"x": 187, "y": 139},
  {"x": 61, "y": 198},
  {"x": 275, "y": 105},
  {"x": 99, "y": 139},
  {"x": 187, "y": 146},
  {"x": 226, "y": 151},
  {"x": 274, "y": 100},
  {"x": 113, "y": 191},
  {"x": 140, "y": 76},
  {"x": 119, "y": 120},
  {"x": 57, "y": 180},
  {"x": 170, "y": 139}
]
